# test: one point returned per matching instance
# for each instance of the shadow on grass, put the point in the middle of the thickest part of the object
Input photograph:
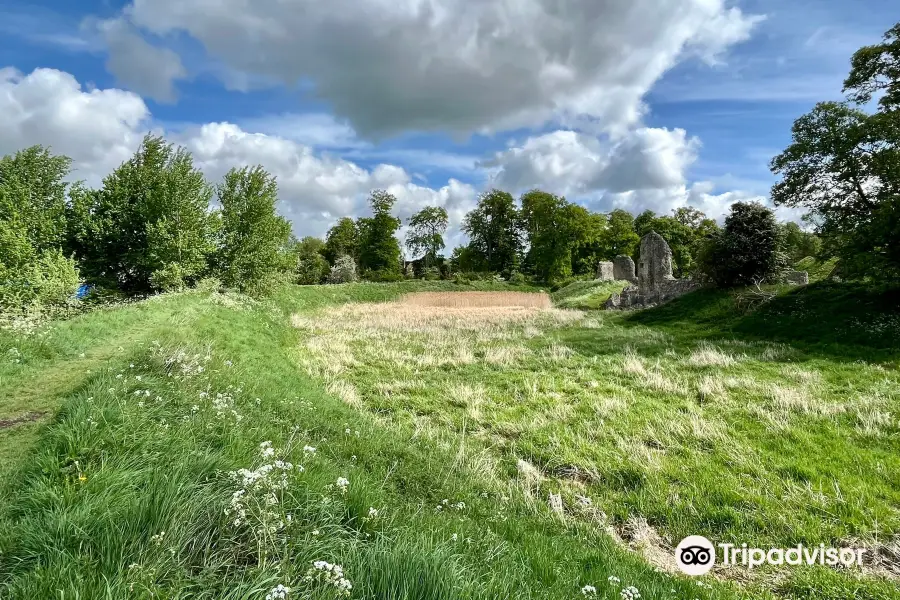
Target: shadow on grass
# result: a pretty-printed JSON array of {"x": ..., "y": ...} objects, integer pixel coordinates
[{"x": 834, "y": 320}]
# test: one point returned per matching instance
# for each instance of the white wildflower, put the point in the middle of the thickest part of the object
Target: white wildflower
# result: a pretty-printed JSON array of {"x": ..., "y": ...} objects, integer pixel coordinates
[{"x": 589, "y": 591}]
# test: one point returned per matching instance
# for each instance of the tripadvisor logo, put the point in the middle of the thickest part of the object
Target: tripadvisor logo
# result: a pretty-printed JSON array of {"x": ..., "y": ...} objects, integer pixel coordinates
[{"x": 696, "y": 555}]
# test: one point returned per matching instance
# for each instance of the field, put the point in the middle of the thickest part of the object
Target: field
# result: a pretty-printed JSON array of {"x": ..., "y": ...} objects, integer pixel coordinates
[{"x": 480, "y": 445}]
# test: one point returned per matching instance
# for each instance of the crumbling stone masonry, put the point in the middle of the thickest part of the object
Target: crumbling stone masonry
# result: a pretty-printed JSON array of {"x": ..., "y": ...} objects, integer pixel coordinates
[
  {"x": 655, "y": 283},
  {"x": 605, "y": 271},
  {"x": 797, "y": 277},
  {"x": 623, "y": 269}
]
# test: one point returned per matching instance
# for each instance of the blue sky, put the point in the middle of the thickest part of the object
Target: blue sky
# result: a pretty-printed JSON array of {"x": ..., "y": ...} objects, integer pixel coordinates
[{"x": 658, "y": 102}]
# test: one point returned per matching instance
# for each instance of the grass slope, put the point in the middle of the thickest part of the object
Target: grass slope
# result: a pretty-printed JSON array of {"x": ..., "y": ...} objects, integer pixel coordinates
[
  {"x": 127, "y": 492},
  {"x": 452, "y": 425},
  {"x": 586, "y": 295}
]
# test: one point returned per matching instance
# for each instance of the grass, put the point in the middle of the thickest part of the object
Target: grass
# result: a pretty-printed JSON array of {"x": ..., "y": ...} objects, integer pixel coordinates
[
  {"x": 455, "y": 424},
  {"x": 587, "y": 295}
]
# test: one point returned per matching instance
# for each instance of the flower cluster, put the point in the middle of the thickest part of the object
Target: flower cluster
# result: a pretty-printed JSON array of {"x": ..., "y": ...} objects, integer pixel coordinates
[
  {"x": 342, "y": 484},
  {"x": 259, "y": 493},
  {"x": 630, "y": 593},
  {"x": 589, "y": 591},
  {"x": 279, "y": 592},
  {"x": 329, "y": 574}
]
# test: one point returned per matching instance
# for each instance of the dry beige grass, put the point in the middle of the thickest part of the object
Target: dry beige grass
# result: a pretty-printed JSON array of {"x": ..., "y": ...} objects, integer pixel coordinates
[{"x": 477, "y": 299}]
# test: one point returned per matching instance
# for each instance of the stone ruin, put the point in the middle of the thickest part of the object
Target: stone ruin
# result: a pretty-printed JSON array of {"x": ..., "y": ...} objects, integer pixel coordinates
[
  {"x": 605, "y": 271},
  {"x": 620, "y": 269},
  {"x": 623, "y": 269},
  {"x": 655, "y": 282},
  {"x": 797, "y": 277}
]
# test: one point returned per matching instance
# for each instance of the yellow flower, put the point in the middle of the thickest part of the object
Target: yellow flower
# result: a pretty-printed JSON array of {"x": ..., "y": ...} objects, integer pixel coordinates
[{"x": 82, "y": 477}]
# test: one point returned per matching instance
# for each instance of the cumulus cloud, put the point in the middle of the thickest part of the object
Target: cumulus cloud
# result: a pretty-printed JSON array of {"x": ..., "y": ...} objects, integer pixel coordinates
[
  {"x": 139, "y": 66},
  {"x": 458, "y": 65},
  {"x": 646, "y": 170},
  {"x": 99, "y": 129},
  {"x": 568, "y": 162}
]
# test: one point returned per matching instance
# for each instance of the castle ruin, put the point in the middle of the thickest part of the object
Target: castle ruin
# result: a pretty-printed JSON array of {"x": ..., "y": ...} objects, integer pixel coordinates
[{"x": 655, "y": 283}]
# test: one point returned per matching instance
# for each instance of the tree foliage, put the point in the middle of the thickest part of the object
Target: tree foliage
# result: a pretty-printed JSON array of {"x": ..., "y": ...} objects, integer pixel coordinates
[
  {"x": 494, "y": 233},
  {"x": 620, "y": 236},
  {"x": 254, "y": 255},
  {"x": 342, "y": 240},
  {"x": 312, "y": 268},
  {"x": 149, "y": 227},
  {"x": 379, "y": 250},
  {"x": 553, "y": 228},
  {"x": 747, "y": 251},
  {"x": 425, "y": 237},
  {"x": 34, "y": 272},
  {"x": 843, "y": 164}
]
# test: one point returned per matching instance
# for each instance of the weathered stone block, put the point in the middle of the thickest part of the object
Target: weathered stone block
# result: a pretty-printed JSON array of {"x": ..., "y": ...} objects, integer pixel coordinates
[
  {"x": 797, "y": 277},
  {"x": 623, "y": 269},
  {"x": 605, "y": 271}
]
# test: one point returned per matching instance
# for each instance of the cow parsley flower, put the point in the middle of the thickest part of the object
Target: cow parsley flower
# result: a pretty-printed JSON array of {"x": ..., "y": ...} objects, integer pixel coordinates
[
  {"x": 343, "y": 483},
  {"x": 589, "y": 591},
  {"x": 330, "y": 574},
  {"x": 279, "y": 592},
  {"x": 630, "y": 593}
]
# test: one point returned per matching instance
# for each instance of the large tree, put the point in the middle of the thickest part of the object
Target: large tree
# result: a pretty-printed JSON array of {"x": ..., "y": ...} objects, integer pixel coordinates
[
  {"x": 34, "y": 272},
  {"x": 379, "y": 250},
  {"x": 425, "y": 237},
  {"x": 255, "y": 253},
  {"x": 495, "y": 239},
  {"x": 619, "y": 236},
  {"x": 843, "y": 164},
  {"x": 149, "y": 227},
  {"x": 748, "y": 251},
  {"x": 342, "y": 240},
  {"x": 553, "y": 228}
]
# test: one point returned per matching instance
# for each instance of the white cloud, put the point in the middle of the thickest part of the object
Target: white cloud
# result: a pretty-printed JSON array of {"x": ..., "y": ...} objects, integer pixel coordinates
[
  {"x": 458, "y": 65},
  {"x": 139, "y": 66},
  {"x": 98, "y": 129},
  {"x": 646, "y": 170},
  {"x": 567, "y": 162}
]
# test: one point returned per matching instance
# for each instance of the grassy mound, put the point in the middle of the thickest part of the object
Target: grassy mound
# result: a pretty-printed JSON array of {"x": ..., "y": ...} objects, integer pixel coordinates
[
  {"x": 586, "y": 295},
  {"x": 204, "y": 445}
]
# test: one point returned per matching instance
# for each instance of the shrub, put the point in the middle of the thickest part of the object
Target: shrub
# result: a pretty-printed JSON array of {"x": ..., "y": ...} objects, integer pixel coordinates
[
  {"x": 312, "y": 269},
  {"x": 343, "y": 270},
  {"x": 50, "y": 280},
  {"x": 432, "y": 273},
  {"x": 516, "y": 278}
]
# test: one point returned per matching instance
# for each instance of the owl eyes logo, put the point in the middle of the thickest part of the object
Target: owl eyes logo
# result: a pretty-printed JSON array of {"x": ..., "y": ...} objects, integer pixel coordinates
[{"x": 695, "y": 555}]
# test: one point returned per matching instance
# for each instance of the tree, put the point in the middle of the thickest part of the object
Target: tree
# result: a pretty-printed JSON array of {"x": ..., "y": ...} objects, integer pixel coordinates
[
  {"x": 34, "y": 272},
  {"x": 379, "y": 250},
  {"x": 426, "y": 235},
  {"x": 747, "y": 251},
  {"x": 341, "y": 240},
  {"x": 254, "y": 255},
  {"x": 588, "y": 248},
  {"x": 553, "y": 228},
  {"x": 149, "y": 227},
  {"x": 843, "y": 164},
  {"x": 494, "y": 234},
  {"x": 312, "y": 268},
  {"x": 799, "y": 244},
  {"x": 620, "y": 237}
]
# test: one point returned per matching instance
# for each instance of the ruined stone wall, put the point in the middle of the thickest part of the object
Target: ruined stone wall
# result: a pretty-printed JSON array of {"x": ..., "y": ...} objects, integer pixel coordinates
[
  {"x": 623, "y": 269},
  {"x": 797, "y": 277},
  {"x": 655, "y": 282},
  {"x": 605, "y": 271}
]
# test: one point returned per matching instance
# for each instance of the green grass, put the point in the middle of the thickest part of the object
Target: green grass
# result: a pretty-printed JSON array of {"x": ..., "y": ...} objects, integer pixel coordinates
[
  {"x": 122, "y": 490},
  {"x": 586, "y": 295}
]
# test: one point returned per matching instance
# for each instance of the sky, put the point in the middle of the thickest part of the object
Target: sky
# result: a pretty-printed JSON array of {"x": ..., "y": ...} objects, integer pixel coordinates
[{"x": 634, "y": 104}]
